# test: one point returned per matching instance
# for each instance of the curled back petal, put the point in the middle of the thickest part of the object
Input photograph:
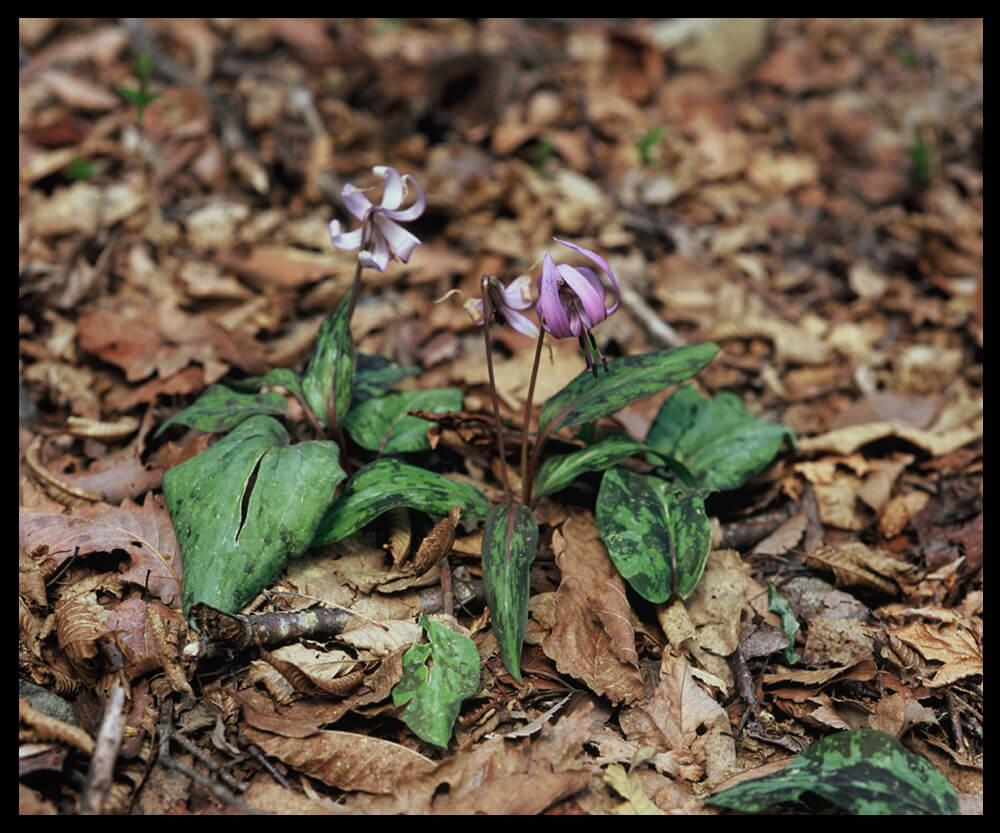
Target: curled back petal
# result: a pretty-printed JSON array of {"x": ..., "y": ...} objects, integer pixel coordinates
[
  {"x": 345, "y": 240},
  {"x": 517, "y": 294},
  {"x": 405, "y": 215},
  {"x": 356, "y": 202},
  {"x": 393, "y": 192}
]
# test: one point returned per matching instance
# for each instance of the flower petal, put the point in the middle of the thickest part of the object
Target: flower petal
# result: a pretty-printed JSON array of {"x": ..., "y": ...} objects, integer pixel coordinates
[
  {"x": 392, "y": 192},
  {"x": 405, "y": 215},
  {"x": 550, "y": 307},
  {"x": 601, "y": 264},
  {"x": 520, "y": 322},
  {"x": 379, "y": 256},
  {"x": 355, "y": 201},
  {"x": 591, "y": 299},
  {"x": 345, "y": 240},
  {"x": 399, "y": 240},
  {"x": 517, "y": 294}
]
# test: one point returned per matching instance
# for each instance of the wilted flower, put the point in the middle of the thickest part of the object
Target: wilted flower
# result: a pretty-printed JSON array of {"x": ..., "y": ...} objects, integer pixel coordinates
[
  {"x": 571, "y": 300},
  {"x": 388, "y": 238},
  {"x": 507, "y": 303}
]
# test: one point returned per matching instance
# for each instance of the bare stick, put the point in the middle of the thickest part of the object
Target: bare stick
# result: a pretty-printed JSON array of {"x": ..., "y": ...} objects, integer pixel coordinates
[{"x": 102, "y": 763}]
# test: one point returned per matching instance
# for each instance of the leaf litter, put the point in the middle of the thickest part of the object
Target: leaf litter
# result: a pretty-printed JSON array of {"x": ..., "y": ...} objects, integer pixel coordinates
[{"x": 806, "y": 193}]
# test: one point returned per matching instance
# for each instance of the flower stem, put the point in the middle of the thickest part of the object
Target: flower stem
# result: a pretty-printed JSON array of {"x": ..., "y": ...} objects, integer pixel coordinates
[
  {"x": 487, "y": 314},
  {"x": 356, "y": 286},
  {"x": 527, "y": 478}
]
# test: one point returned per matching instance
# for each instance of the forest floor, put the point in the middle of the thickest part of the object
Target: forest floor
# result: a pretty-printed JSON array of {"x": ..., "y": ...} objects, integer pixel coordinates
[{"x": 807, "y": 194}]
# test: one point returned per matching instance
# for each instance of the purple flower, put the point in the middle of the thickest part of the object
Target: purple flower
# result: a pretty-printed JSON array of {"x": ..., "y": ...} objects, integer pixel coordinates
[
  {"x": 571, "y": 300},
  {"x": 507, "y": 303},
  {"x": 388, "y": 238}
]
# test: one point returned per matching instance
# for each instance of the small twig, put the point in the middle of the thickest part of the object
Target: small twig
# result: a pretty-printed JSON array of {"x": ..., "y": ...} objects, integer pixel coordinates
[
  {"x": 956, "y": 723},
  {"x": 255, "y": 752},
  {"x": 164, "y": 728},
  {"x": 447, "y": 596},
  {"x": 102, "y": 763}
]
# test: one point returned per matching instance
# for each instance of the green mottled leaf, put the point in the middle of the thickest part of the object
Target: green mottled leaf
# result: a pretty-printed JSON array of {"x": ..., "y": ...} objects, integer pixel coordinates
[
  {"x": 862, "y": 771},
  {"x": 328, "y": 383},
  {"x": 657, "y": 535},
  {"x": 374, "y": 375},
  {"x": 381, "y": 423},
  {"x": 510, "y": 544},
  {"x": 722, "y": 444},
  {"x": 435, "y": 691},
  {"x": 220, "y": 409},
  {"x": 560, "y": 470},
  {"x": 586, "y": 398},
  {"x": 278, "y": 377},
  {"x": 789, "y": 624},
  {"x": 246, "y": 505},
  {"x": 389, "y": 483}
]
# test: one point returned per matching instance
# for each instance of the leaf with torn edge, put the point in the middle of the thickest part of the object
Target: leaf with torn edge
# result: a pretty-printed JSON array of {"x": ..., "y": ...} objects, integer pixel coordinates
[{"x": 433, "y": 693}]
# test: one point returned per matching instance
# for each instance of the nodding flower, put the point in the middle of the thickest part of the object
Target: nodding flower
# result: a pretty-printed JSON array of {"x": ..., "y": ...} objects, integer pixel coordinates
[
  {"x": 507, "y": 303},
  {"x": 572, "y": 300},
  {"x": 388, "y": 238}
]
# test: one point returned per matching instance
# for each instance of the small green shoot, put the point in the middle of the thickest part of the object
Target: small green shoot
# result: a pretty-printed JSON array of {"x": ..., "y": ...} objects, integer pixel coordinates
[
  {"x": 140, "y": 98},
  {"x": 645, "y": 145}
]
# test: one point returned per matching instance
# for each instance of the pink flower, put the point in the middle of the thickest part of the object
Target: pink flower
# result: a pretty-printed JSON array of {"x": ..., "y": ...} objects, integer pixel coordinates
[
  {"x": 507, "y": 303},
  {"x": 388, "y": 238},
  {"x": 572, "y": 300}
]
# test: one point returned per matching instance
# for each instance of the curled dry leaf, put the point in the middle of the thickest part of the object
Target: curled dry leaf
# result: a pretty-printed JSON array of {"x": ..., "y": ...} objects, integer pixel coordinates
[{"x": 857, "y": 565}]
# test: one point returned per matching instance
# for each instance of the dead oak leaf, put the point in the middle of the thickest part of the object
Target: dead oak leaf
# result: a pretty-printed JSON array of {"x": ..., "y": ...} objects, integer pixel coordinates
[
  {"x": 144, "y": 532},
  {"x": 592, "y": 631},
  {"x": 147, "y": 342},
  {"x": 346, "y": 760}
]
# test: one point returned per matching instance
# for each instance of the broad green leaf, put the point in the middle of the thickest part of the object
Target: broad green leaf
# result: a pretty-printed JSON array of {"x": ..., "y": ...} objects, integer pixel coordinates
[
  {"x": 374, "y": 375},
  {"x": 722, "y": 444},
  {"x": 329, "y": 379},
  {"x": 220, "y": 409},
  {"x": 246, "y": 505},
  {"x": 587, "y": 399},
  {"x": 278, "y": 377},
  {"x": 657, "y": 535},
  {"x": 862, "y": 771},
  {"x": 560, "y": 470},
  {"x": 435, "y": 692},
  {"x": 381, "y": 424},
  {"x": 510, "y": 544},
  {"x": 388, "y": 483},
  {"x": 776, "y": 603}
]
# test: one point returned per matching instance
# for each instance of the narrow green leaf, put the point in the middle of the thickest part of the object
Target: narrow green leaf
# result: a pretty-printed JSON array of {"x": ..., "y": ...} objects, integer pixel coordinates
[
  {"x": 246, "y": 505},
  {"x": 220, "y": 409},
  {"x": 381, "y": 423},
  {"x": 328, "y": 383},
  {"x": 789, "y": 624},
  {"x": 862, "y": 771},
  {"x": 374, "y": 375},
  {"x": 722, "y": 444},
  {"x": 560, "y": 470},
  {"x": 658, "y": 536},
  {"x": 435, "y": 692},
  {"x": 388, "y": 483},
  {"x": 586, "y": 399},
  {"x": 510, "y": 544}
]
